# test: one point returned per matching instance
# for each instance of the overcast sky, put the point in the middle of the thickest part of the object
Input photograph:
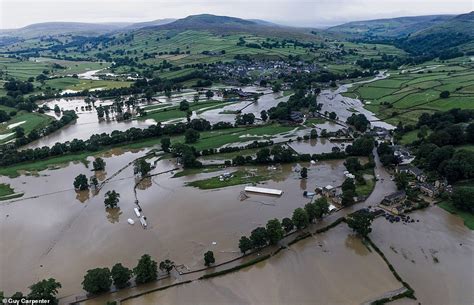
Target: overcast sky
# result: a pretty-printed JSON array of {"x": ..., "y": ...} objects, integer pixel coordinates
[{"x": 18, "y": 13}]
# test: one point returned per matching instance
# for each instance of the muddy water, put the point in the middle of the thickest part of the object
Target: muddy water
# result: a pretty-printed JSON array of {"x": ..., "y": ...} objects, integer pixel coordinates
[
  {"x": 334, "y": 101},
  {"x": 319, "y": 270},
  {"x": 39, "y": 234},
  {"x": 316, "y": 146},
  {"x": 86, "y": 124},
  {"x": 414, "y": 248}
]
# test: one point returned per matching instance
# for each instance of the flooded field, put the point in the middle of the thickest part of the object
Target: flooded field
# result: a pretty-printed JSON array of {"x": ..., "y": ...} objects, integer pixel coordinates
[
  {"x": 317, "y": 146},
  {"x": 434, "y": 255},
  {"x": 344, "y": 107},
  {"x": 319, "y": 270},
  {"x": 86, "y": 125},
  {"x": 53, "y": 222}
]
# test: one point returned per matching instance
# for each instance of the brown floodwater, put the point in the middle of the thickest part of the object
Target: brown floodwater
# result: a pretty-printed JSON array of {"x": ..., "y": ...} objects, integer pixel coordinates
[
  {"x": 435, "y": 255},
  {"x": 55, "y": 232},
  {"x": 330, "y": 268},
  {"x": 344, "y": 107}
]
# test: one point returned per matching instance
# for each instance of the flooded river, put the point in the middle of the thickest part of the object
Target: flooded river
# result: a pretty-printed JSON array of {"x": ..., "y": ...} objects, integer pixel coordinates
[
  {"x": 319, "y": 270},
  {"x": 344, "y": 107},
  {"x": 435, "y": 255}
]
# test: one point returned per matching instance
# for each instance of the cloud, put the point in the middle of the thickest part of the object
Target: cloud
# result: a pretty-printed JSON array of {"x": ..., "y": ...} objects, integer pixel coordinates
[{"x": 17, "y": 13}]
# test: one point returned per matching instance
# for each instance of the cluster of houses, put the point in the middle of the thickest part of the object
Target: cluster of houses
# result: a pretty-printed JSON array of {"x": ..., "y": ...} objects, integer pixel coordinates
[
  {"x": 430, "y": 189},
  {"x": 267, "y": 69}
]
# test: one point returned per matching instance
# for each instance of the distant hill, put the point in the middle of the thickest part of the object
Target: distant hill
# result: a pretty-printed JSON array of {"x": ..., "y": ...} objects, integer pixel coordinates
[
  {"x": 451, "y": 33},
  {"x": 388, "y": 28},
  {"x": 140, "y": 25},
  {"x": 226, "y": 25},
  {"x": 63, "y": 28}
]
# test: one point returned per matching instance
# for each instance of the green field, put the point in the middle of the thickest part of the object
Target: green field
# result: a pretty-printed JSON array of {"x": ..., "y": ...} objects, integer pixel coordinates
[
  {"x": 6, "y": 192},
  {"x": 31, "y": 121},
  {"x": 238, "y": 177},
  {"x": 160, "y": 114},
  {"x": 76, "y": 84},
  {"x": 404, "y": 96}
]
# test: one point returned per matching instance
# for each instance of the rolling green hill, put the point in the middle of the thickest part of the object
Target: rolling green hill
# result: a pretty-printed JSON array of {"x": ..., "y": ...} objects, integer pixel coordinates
[{"x": 387, "y": 28}]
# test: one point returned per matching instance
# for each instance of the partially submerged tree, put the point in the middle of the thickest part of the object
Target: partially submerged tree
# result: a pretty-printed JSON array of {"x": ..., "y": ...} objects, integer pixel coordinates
[
  {"x": 97, "y": 280},
  {"x": 209, "y": 258},
  {"x": 45, "y": 290},
  {"x": 360, "y": 222},
  {"x": 112, "y": 199},
  {"x": 121, "y": 275},
  {"x": 146, "y": 270},
  {"x": 81, "y": 183},
  {"x": 167, "y": 265}
]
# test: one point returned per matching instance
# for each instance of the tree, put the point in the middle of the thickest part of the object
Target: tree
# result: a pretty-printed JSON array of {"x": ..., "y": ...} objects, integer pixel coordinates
[
  {"x": 288, "y": 224},
  {"x": 359, "y": 121},
  {"x": 80, "y": 183},
  {"x": 112, "y": 199},
  {"x": 165, "y": 144},
  {"x": 46, "y": 290},
  {"x": 463, "y": 198},
  {"x": 166, "y": 265},
  {"x": 300, "y": 218},
  {"x": 401, "y": 180},
  {"x": 98, "y": 164},
  {"x": 360, "y": 222},
  {"x": 184, "y": 105},
  {"x": 245, "y": 244},
  {"x": 353, "y": 165},
  {"x": 361, "y": 146},
  {"x": 259, "y": 237},
  {"x": 19, "y": 132},
  {"x": 348, "y": 197},
  {"x": 191, "y": 136},
  {"x": 304, "y": 173},
  {"x": 274, "y": 231},
  {"x": 196, "y": 98},
  {"x": 141, "y": 167},
  {"x": 209, "y": 258},
  {"x": 121, "y": 275},
  {"x": 93, "y": 181},
  {"x": 348, "y": 185},
  {"x": 321, "y": 207},
  {"x": 97, "y": 280},
  {"x": 310, "y": 209},
  {"x": 444, "y": 94},
  {"x": 313, "y": 134},
  {"x": 263, "y": 115},
  {"x": 146, "y": 270},
  {"x": 470, "y": 133},
  {"x": 209, "y": 94},
  {"x": 263, "y": 156}
]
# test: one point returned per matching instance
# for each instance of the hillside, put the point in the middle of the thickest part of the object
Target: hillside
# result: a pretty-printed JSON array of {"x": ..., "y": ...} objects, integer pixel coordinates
[
  {"x": 230, "y": 25},
  {"x": 451, "y": 33},
  {"x": 388, "y": 28},
  {"x": 62, "y": 28}
]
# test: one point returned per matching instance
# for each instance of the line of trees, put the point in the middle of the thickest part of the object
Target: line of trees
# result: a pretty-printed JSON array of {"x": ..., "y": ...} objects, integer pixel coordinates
[
  {"x": 9, "y": 155},
  {"x": 275, "y": 230},
  {"x": 101, "y": 279}
]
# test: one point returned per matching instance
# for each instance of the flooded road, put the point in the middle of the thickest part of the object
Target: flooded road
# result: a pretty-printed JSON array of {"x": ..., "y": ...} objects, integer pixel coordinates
[{"x": 319, "y": 270}]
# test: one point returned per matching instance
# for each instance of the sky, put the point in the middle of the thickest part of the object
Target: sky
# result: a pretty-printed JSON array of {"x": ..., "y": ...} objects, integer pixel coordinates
[{"x": 314, "y": 13}]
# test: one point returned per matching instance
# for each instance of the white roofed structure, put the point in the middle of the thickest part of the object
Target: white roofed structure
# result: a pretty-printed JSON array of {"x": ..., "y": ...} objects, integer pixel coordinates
[{"x": 262, "y": 190}]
